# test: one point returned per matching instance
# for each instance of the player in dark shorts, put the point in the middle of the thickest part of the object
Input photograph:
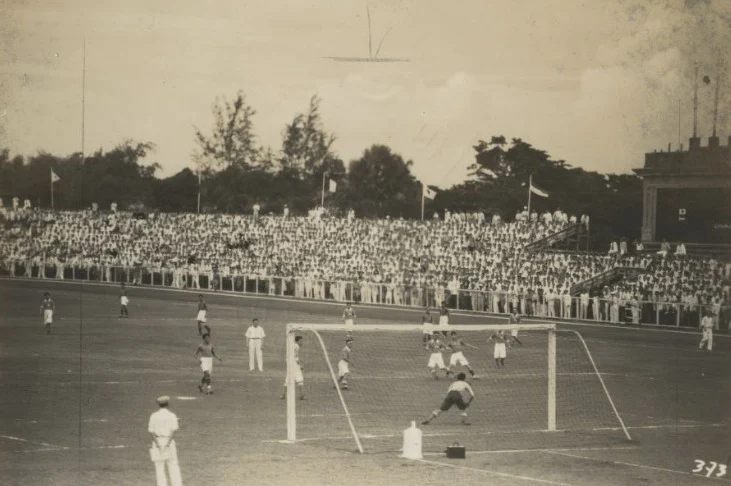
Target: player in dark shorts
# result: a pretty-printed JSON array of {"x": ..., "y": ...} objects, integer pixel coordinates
[{"x": 455, "y": 396}]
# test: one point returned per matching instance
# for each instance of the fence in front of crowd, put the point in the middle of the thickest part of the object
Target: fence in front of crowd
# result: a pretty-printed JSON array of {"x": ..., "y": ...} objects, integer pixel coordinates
[{"x": 615, "y": 310}]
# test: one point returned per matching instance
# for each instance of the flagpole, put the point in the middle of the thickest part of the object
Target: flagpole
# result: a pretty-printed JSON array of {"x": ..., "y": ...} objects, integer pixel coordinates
[
  {"x": 83, "y": 114},
  {"x": 322, "y": 198},
  {"x": 530, "y": 184},
  {"x": 52, "y": 205}
]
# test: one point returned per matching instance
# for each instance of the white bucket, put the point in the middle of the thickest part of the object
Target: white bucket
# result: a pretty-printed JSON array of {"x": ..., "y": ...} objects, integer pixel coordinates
[{"x": 412, "y": 443}]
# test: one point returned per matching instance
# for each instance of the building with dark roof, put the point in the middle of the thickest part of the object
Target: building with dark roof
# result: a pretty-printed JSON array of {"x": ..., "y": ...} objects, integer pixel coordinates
[{"x": 687, "y": 194}]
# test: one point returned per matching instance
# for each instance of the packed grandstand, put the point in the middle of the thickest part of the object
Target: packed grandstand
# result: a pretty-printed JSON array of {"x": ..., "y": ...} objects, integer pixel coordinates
[{"x": 463, "y": 259}]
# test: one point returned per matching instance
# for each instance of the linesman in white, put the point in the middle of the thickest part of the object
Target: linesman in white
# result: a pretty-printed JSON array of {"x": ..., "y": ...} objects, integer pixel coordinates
[
  {"x": 299, "y": 380},
  {"x": 707, "y": 330},
  {"x": 254, "y": 339},
  {"x": 163, "y": 452}
]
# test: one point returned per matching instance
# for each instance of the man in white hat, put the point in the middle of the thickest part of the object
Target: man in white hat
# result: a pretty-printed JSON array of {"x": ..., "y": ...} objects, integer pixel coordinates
[{"x": 163, "y": 452}]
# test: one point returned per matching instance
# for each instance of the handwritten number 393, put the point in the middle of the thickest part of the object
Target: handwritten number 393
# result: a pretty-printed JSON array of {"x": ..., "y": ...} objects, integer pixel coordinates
[{"x": 712, "y": 466}]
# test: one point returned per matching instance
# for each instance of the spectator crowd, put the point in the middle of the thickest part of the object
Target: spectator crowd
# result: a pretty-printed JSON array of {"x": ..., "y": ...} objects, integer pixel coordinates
[{"x": 384, "y": 260}]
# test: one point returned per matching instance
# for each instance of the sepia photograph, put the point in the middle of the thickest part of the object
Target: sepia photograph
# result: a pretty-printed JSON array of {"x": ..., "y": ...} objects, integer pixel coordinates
[{"x": 420, "y": 242}]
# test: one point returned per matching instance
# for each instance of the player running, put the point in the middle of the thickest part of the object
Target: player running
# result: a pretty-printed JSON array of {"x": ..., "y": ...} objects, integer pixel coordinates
[
  {"x": 205, "y": 353},
  {"x": 298, "y": 378},
  {"x": 344, "y": 364},
  {"x": 444, "y": 317},
  {"x": 455, "y": 396},
  {"x": 201, "y": 318},
  {"x": 457, "y": 356},
  {"x": 349, "y": 316},
  {"x": 706, "y": 328},
  {"x": 47, "y": 308},
  {"x": 427, "y": 327},
  {"x": 436, "y": 360},
  {"x": 500, "y": 353},
  {"x": 514, "y": 321},
  {"x": 123, "y": 302}
]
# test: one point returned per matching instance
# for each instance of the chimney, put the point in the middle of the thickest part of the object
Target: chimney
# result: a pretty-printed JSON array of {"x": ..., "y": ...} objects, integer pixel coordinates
[
  {"x": 669, "y": 145},
  {"x": 714, "y": 142},
  {"x": 694, "y": 143}
]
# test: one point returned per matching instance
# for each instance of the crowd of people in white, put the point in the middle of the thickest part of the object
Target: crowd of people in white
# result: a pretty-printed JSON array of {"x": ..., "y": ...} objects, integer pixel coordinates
[{"x": 461, "y": 258}]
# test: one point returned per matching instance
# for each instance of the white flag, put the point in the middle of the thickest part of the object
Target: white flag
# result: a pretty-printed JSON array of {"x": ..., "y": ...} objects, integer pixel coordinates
[
  {"x": 54, "y": 177},
  {"x": 428, "y": 193},
  {"x": 537, "y": 191},
  {"x": 333, "y": 185}
]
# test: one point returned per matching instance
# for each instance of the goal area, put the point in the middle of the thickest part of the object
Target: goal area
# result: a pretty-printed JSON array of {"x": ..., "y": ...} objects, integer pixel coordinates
[{"x": 546, "y": 393}]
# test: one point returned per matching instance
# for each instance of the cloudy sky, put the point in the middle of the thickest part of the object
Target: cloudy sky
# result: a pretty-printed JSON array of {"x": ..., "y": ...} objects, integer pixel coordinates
[{"x": 596, "y": 83}]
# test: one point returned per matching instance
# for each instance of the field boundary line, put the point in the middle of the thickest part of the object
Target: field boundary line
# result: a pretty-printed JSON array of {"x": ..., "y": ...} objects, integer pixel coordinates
[
  {"x": 630, "y": 464},
  {"x": 457, "y": 312},
  {"x": 66, "y": 449},
  {"x": 494, "y": 473},
  {"x": 518, "y": 451},
  {"x": 44, "y": 444}
]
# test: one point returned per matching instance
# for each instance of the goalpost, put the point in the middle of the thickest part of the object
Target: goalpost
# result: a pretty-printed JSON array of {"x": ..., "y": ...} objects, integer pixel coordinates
[{"x": 390, "y": 383}]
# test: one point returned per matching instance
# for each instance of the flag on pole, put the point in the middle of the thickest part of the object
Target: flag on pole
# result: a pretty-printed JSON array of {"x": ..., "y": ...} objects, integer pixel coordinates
[
  {"x": 333, "y": 185},
  {"x": 429, "y": 193},
  {"x": 535, "y": 190},
  {"x": 54, "y": 177}
]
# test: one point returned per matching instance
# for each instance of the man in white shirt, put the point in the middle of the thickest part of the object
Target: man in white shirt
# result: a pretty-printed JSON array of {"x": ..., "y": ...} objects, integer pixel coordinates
[
  {"x": 707, "y": 331},
  {"x": 583, "y": 304},
  {"x": 162, "y": 425},
  {"x": 254, "y": 337}
]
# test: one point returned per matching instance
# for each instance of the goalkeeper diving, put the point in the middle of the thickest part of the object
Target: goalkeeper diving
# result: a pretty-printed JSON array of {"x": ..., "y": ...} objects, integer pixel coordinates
[{"x": 456, "y": 394}]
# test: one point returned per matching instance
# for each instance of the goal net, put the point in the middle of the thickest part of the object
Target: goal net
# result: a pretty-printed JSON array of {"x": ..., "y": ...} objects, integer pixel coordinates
[{"x": 547, "y": 391}]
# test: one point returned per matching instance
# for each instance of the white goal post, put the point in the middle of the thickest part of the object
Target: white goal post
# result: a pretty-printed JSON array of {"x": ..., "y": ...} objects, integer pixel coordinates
[{"x": 293, "y": 328}]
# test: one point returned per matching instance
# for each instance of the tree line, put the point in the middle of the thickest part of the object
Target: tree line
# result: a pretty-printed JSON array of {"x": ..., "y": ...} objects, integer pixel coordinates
[{"x": 236, "y": 173}]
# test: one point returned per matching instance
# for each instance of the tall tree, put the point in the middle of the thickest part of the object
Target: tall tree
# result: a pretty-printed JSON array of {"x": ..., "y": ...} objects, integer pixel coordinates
[
  {"x": 232, "y": 141},
  {"x": 306, "y": 145},
  {"x": 381, "y": 184}
]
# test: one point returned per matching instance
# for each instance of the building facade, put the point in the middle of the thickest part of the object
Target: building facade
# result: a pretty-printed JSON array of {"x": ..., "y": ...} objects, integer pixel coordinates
[{"x": 687, "y": 194}]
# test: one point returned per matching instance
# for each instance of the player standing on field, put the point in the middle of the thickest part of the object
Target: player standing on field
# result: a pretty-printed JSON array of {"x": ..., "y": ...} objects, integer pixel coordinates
[
  {"x": 298, "y": 378},
  {"x": 455, "y": 396},
  {"x": 514, "y": 321},
  {"x": 444, "y": 317},
  {"x": 47, "y": 308},
  {"x": 202, "y": 311},
  {"x": 427, "y": 327},
  {"x": 500, "y": 352},
  {"x": 457, "y": 357},
  {"x": 344, "y": 364},
  {"x": 123, "y": 302},
  {"x": 254, "y": 337},
  {"x": 349, "y": 316},
  {"x": 436, "y": 360},
  {"x": 706, "y": 328},
  {"x": 205, "y": 353}
]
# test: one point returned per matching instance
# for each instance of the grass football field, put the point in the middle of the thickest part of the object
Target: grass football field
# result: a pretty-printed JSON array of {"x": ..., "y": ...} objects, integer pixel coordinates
[{"x": 74, "y": 405}]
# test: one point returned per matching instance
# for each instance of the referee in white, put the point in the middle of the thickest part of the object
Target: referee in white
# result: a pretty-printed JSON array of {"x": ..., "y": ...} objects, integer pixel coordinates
[
  {"x": 254, "y": 337},
  {"x": 163, "y": 452}
]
